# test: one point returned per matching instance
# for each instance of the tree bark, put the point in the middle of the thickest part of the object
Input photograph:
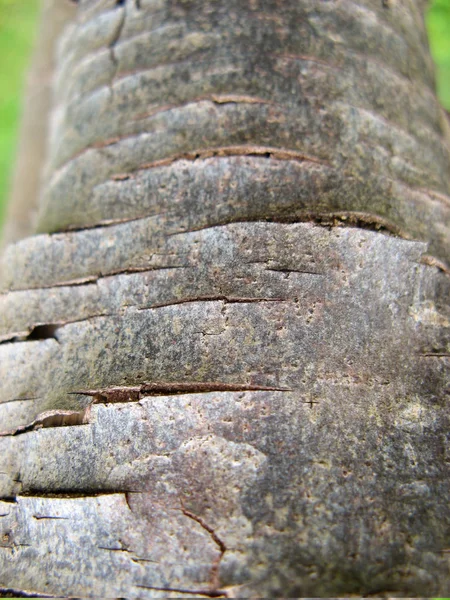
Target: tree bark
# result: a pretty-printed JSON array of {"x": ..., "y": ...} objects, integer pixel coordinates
[{"x": 225, "y": 352}]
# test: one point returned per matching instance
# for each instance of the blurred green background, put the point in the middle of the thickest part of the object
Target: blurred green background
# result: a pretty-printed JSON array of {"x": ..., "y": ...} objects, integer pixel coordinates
[
  {"x": 438, "y": 22},
  {"x": 18, "y": 22}
]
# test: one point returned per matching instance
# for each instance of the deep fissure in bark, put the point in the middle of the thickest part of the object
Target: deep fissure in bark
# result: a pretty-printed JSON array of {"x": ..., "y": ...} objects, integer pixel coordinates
[
  {"x": 136, "y": 393},
  {"x": 20, "y": 593},
  {"x": 53, "y": 418},
  {"x": 43, "y": 332}
]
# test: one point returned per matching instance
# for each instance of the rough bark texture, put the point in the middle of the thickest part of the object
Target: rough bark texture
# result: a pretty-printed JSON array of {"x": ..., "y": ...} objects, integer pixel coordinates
[{"x": 224, "y": 357}]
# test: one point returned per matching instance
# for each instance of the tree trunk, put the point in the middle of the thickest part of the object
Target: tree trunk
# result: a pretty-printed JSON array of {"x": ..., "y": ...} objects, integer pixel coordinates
[{"x": 225, "y": 357}]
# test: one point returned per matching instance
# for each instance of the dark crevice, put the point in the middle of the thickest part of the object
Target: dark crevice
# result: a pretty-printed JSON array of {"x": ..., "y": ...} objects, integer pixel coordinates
[
  {"x": 358, "y": 219},
  {"x": 51, "y": 517},
  {"x": 137, "y": 559},
  {"x": 47, "y": 330},
  {"x": 94, "y": 278},
  {"x": 13, "y": 339},
  {"x": 233, "y": 151},
  {"x": 224, "y": 299},
  {"x": 127, "y": 500},
  {"x": 345, "y": 219},
  {"x": 289, "y": 271},
  {"x": 69, "y": 494},
  {"x": 136, "y": 393},
  {"x": 71, "y": 283},
  {"x": 53, "y": 418},
  {"x": 236, "y": 99},
  {"x": 246, "y": 150},
  {"x": 16, "y": 593},
  {"x": 43, "y": 332},
  {"x": 37, "y": 333}
]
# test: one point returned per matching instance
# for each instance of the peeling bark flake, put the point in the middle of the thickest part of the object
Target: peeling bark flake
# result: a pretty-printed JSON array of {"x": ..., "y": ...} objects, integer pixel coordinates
[{"x": 53, "y": 418}]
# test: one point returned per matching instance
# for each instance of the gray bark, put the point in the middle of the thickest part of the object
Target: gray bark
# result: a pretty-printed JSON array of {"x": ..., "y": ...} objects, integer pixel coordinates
[{"x": 225, "y": 352}]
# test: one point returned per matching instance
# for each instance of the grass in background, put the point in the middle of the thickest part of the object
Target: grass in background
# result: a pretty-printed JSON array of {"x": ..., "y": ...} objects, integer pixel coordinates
[
  {"x": 438, "y": 23},
  {"x": 18, "y": 21}
]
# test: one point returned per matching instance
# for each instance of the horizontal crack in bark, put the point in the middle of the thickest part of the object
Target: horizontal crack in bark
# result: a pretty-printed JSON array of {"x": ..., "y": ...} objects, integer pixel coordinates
[
  {"x": 125, "y": 394},
  {"x": 136, "y": 393},
  {"x": 353, "y": 219},
  {"x": 94, "y": 278},
  {"x": 206, "y": 593},
  {"x": 224, "y": 299},
  {"x": 48, "y": 330},
  {"x": 359, "y": 219},
  {"x": 214, "y": 99},
  {"x": 69, "y": 494},
  {"x": 289, "y": 271},
  {"x": 43, "y": 517},
  {"x": 244, "y": 150},
  {"x": 53, "y": 418},
  {"x": 198, "y": 154},
  {"x": 138, "y": 559},
  {"x": 115, "y": 549},
  {"x": 159, "y": 110},
  {"x": 18, "y": 593}
]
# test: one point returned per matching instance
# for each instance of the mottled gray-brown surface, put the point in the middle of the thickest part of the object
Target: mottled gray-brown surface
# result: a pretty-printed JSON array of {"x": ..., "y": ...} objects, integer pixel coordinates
[{"x": 224, "y": 356}]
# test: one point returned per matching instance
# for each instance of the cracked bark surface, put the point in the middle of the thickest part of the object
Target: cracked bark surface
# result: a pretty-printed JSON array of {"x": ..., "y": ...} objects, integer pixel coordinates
[{"x": 224, "y": 356}]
